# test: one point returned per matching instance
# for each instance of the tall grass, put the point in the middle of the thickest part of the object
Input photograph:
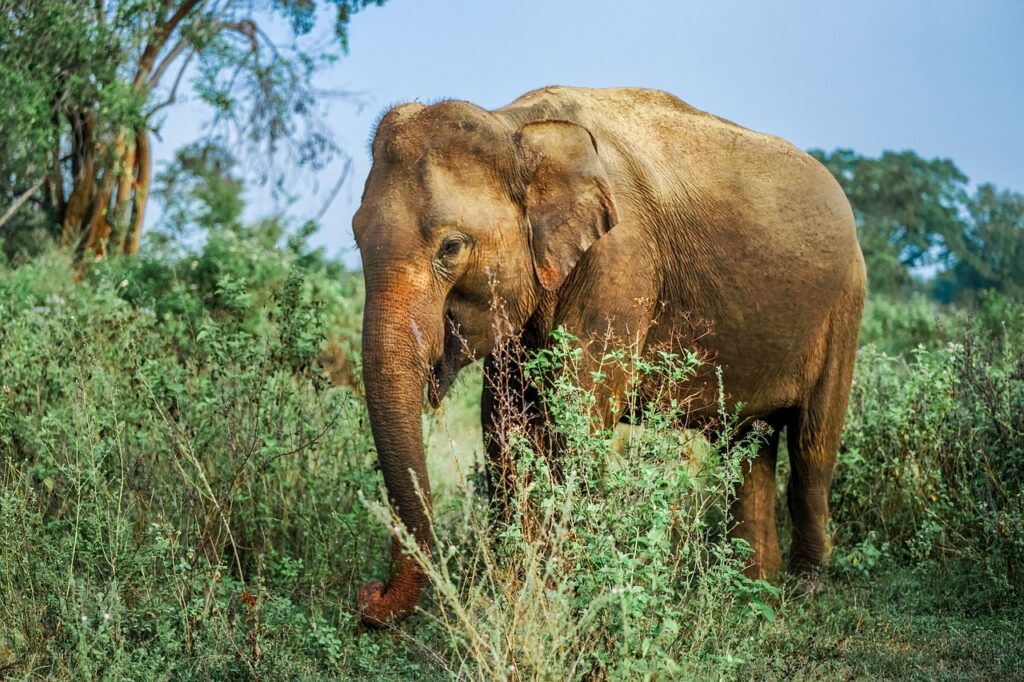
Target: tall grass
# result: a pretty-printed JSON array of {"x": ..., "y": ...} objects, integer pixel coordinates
[
  {"x": 188, "y": 489},
  {"x": 932, "y": 464},
  {"x": 612, "y": 562},
  {"x": 178, "y": 479}
]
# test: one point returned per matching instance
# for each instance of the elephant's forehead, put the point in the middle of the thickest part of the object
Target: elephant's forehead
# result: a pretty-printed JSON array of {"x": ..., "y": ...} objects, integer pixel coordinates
[
  {"x": 452, "y": 129},
  {"x": 462, "y": 190}
]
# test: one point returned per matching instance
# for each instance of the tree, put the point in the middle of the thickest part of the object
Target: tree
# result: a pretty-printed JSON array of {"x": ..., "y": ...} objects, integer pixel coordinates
[
  {"x": 200, "y": 190},
  {"x": 989, "y": 255},
  {"x": 85, "y": 83}
]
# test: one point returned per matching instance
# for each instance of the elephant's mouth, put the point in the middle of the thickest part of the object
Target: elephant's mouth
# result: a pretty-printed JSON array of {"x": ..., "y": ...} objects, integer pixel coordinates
[{"x": 453, "y": 358}]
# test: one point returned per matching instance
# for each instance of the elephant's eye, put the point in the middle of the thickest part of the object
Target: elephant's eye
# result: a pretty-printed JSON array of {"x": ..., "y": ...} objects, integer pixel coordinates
[{"x": 450, "y": 247}]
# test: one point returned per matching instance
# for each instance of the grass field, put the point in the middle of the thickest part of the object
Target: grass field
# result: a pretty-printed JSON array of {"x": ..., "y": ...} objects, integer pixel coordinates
[{"x": 188, "y": 490}]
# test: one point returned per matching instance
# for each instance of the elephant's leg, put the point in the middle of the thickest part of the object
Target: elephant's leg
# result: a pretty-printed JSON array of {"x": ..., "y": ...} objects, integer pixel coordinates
[
  {"x": 814, "y": 433},
  {"x": 812, "y": 454},
  {"x": 753, "y": 511},
  {"x": 506, "y": 402},
  {"x": 494, "y": 399},
  {"x": 609, "y": 306}
]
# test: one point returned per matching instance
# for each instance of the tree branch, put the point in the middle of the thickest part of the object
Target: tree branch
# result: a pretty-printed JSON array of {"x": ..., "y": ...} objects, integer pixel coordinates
[
  {"x": 334, "y": 191},
  {"x": 262, "y": 34},
  {"x": 156, "y": 43},
  {"x": 166, "y": 62},
  {"x": 173, "y": 96},
  {"x": 144, "y": 163},
  {"x": 59, "y": 200},
  {"x": 122, "y": 200},
  {"x": 99, "y": 227},
  {"x": 19, "y": 202},
  {"x": 245, "y": 27}
]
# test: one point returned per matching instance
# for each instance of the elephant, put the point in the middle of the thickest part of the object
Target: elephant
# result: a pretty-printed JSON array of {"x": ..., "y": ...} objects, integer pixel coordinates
[{"x": 619, "y": 211}]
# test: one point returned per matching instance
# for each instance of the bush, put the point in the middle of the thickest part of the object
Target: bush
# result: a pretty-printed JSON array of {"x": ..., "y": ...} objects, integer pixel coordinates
[
  {"x": 898, "y": 326},
  {"x": 932, "y": 464},
  {"x": 176, "y": 470},
  {"x": 611, "y": 563},
  {"x": 186, "y": 466}
]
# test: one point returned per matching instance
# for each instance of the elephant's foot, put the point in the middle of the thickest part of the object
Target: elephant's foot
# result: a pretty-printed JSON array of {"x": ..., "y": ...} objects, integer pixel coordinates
[
  {"x": 809, "y": 584},
  {"x": 807, "y": 556},
  {"x": 811, "y": 545}
]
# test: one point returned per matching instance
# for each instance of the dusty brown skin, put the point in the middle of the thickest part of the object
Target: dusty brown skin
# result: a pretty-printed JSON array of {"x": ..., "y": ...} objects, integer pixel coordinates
[{"x": 623, "y": 212}]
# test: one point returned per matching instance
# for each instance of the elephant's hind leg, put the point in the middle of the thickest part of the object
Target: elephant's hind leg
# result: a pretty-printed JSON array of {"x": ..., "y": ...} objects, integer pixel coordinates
[
  {"x": 753, "y": 511},
  {"x": 813, "y": 439}
]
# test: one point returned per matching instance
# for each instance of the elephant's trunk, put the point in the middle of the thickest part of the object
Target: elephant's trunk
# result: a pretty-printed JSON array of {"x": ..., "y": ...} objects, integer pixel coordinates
[{"x": 401, "y": 336}]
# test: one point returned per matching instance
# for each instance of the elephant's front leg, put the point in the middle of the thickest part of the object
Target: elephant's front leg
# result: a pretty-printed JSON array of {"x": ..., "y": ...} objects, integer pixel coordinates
[
  {"x": 608, "y": 306},
  {"x": 510, "y": 404},
  {"x": 511, "y": 408},
  {"x": 507, "y": 404}
]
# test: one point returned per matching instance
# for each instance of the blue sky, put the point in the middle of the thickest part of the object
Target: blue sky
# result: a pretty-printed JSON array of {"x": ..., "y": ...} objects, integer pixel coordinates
[{"x": 942, "y": 78}]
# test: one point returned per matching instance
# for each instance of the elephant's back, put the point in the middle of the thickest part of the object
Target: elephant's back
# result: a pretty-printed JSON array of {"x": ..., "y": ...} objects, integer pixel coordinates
[
  {"x": 572, "y": 103},
  {"x": 635, "y": 122},
  {"x": 692, "y": 175}
]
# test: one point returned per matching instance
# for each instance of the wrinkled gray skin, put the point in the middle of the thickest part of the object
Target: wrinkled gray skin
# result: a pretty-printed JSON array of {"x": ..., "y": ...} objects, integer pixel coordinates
[{"x": 620, "y": 213}]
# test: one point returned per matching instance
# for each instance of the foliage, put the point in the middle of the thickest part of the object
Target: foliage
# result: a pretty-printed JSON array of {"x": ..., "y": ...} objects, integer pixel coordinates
[
  {"x": 177, "y": 469},
  {"x": 200, "y": 190},
  {"x": 174, "y": 469},
  {"x": 932, "y": 456},
  {"x": 990, "y": 252},
  {"x": 898, "y": 326},
  {"x": 614, "y": 566},
  {"x": 85, "y": 84}
]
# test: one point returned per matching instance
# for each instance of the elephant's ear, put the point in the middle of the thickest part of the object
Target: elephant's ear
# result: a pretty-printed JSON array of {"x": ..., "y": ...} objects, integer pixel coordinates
[{"x": 569, "y": 202}]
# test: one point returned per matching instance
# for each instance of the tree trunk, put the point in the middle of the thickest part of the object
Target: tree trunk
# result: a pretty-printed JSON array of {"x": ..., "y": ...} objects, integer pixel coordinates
[
  {"x": 122, "y": 210},
  {"x": 144, "y": 164},
  {"x": 99, "y": 225},
  {"x": 99, "y": 228},
  {"x": 83, "y": 155}
]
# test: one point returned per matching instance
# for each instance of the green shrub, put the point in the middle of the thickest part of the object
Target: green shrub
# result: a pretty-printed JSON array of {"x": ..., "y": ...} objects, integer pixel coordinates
[
  {"x": 179, "y": 481},
  {"x": 611, "y": 563},
  {"x": 898, "y": 326},
  {"x": 932, "y": 463},
  {"x": 184, "y": 493}
]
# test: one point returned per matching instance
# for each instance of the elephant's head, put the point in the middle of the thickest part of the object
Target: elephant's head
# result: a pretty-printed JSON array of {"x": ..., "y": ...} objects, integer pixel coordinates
[{"x": 462, "y": 210}]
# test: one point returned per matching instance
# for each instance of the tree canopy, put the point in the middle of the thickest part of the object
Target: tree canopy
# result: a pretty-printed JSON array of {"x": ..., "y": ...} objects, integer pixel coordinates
[{"x": 85, "y": 84}]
